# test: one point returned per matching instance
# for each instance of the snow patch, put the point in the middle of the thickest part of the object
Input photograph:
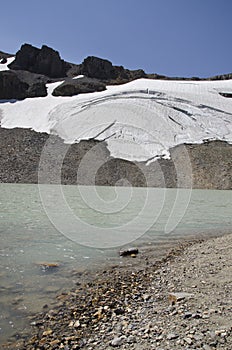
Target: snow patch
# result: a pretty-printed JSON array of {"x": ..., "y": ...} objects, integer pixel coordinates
[{"x": 3, "y": 66}]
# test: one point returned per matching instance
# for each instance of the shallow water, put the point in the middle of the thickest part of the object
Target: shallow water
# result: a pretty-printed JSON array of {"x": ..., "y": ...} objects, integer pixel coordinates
[{"x": 81, "y": 228}]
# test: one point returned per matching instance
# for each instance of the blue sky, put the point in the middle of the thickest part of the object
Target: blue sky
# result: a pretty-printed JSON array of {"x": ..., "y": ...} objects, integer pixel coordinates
[{"x": 171, "y": 37}]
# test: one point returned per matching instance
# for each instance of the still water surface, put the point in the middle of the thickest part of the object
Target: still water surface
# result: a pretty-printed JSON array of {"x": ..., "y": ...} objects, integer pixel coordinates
[{"x": 81, "y": 227}]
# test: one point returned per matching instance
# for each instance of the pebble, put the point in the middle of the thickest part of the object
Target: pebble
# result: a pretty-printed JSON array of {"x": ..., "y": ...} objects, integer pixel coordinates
[
  {"x": 178, "y": 296},
  {"x": 206, "y": 347},
  {"x": 118, "y": 341},
  {"x": 172, "y": 336},
  {"x": 77, "y": 324},
  {"x": 131, "y": 339},
  {"x": 188, "y": 340}
]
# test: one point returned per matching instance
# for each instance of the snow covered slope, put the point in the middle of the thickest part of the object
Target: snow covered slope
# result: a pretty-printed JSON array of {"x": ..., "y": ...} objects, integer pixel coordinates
[{"x": 139, "y": 120}]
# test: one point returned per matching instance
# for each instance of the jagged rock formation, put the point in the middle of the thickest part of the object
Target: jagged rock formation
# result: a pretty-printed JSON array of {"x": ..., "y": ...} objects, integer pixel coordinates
[
  {"x": 98, "y": 68},
  {"x": 78, "y": 86},
  {"x": 21, "y": 150},
  {"x": 102, "y": 69},
  {"x": 44, "y": 61}
]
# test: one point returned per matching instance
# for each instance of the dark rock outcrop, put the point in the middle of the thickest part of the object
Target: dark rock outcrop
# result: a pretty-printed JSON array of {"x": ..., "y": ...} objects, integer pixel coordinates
[
  {"x": 37, "y": 90},
  {"x": 137, "y": 74},
  {"x": 14, "y": 88},
  {"x": 44, "y": 61},
  {"x": 11, "y": 87},
  {"x": 104, "y": 70},
  {"x": 31, "y": 78},
  {"x": 98, "y": 68},
  {"x": 226, "y": 94},
  {"x": 74, "y": 70},
  {"x": 78, "y": 86},
  {"x": 126, "y": 75},
  {"x": 34, "y": 67},
  {"x": 220, "y": 77}
]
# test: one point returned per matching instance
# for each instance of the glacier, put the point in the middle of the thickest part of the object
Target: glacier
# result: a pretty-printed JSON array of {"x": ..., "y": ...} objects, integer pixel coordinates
[{"x": 139, "y": 121}]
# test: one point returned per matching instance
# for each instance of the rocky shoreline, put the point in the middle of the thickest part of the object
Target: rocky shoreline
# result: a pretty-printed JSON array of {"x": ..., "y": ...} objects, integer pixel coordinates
[{"x": 180, "y": 302}]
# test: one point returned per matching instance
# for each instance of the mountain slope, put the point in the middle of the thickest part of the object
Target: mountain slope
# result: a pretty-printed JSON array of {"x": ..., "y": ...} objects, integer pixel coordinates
[{"x": 142, "y": 121}]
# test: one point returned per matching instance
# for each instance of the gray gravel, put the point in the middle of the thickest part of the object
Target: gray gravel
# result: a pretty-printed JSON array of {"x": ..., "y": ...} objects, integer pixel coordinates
[{"x": 183, "y": 302}]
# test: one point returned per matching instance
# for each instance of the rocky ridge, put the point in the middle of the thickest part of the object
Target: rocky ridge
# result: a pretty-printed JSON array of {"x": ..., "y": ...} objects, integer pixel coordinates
[{"x": 38, "y": 66}]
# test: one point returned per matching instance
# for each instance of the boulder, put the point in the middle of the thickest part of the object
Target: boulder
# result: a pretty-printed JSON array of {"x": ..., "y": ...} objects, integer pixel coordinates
[
  {"x": 37, "y": 90},
  {"x": 11, "y": 87},
  {"x": 32, "y": 78},
  {"x": 95, "y": 67},
  {"x": 14, "y": 88},
  {"x": 78, "y": 86},
  {"x": 129, "y": 252},
  {"x": 44, "y": 61}
]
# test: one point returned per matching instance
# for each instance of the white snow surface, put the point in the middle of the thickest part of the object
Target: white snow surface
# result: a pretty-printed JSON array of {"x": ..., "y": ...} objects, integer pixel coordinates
[
  {"x": 139, "y": 120},
  {"x": 4, "y": 65}
]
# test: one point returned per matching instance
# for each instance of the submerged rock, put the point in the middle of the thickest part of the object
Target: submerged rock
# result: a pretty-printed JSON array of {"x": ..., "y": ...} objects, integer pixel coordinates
[
  {"x": 129, "y": 252},
  {"x": 45, "y": 266}
]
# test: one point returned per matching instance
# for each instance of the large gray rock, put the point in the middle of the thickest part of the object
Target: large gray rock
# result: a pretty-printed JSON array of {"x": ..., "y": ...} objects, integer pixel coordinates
[
  {"x": 42, "y": 61},
  {"x": 78, "y": 86}
]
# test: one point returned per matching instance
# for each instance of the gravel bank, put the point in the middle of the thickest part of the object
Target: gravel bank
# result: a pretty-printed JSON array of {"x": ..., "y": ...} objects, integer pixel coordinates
[
  {"x": 21, "y": 150},
  {"x": 181, "y": 302}
]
